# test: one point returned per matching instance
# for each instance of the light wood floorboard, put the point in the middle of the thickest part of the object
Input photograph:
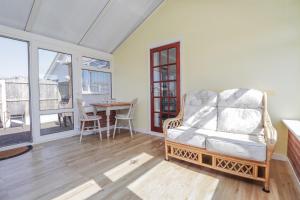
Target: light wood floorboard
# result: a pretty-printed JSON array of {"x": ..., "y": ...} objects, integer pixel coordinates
[{"x": 126, "y": 168}]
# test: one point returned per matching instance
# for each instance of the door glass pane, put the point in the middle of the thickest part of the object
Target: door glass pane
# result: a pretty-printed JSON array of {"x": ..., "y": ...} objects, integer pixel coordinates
[
  {"x": 172, "y": 89},
  {"x": 156, "y": 104},
  {"x": 54, "y": 123},
  {"x": 164, "y": 73},
  {"x": 164, "y": 89},
  {"x": 156, "y": 119},
  {"x": 156, "y": 59},
  {"x": 14, "y": 93},
  {"x": 164, "y": 117},
  {"x": 156, "y": 89},
  {"x": 172, "y": 55},
  {"x": 156, "y": 74},
  {"x": 172, "y": 105},
  {"x": 55, "y": 78},
  {"x": 165, "y": 105},
  {"x": 164, "y": 57},
  {"x": 172, "y": 72}
]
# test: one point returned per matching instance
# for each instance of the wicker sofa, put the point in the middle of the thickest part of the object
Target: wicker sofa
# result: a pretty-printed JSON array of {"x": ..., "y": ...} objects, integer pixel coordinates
[{"x": 230, "y": 131}]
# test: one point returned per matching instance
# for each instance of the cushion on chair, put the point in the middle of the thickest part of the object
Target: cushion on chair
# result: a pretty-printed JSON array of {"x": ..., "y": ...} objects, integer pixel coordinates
[
  {"x": 240, "y": 111},
  {"x": 200, "y": 110},
  {"x": 186, "y": 135},
  {"x": 251, "y": 147}
]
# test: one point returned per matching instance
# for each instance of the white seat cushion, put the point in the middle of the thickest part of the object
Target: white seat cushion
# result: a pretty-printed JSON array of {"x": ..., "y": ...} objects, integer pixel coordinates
[
  {"x": 200, "y": 110},
  {"x": 186, "y": 135},
  {"x": 251, "y": 147},
  {"x": 240, "y": 111}
]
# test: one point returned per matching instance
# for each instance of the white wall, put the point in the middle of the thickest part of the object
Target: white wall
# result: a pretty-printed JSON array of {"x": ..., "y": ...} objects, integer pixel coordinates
[{"x": 224, "y": 44}]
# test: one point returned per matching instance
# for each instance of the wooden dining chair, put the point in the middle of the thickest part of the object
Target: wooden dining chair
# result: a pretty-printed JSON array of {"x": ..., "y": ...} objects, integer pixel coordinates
[
  {"x": 126, "y": 117},
  {"x": 84, "y": 118}
]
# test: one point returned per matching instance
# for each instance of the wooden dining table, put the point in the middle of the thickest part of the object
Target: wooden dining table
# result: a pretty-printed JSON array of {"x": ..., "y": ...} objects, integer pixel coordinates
[{"x": 108, "y": 107}]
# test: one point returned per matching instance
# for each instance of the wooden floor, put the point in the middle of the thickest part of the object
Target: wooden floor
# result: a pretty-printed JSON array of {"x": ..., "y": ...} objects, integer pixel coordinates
[{"x": 126, "y": 168}]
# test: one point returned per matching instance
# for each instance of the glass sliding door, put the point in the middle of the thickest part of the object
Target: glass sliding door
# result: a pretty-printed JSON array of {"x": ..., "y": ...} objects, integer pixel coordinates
[
  {"x": 56, "y": 92},
  {"x": 15, "y": 127}
]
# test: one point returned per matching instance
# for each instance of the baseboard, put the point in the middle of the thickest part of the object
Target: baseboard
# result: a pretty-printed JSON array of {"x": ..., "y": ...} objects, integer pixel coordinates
[
  {"x": 278, "y": 156},
  {"x": 148, "y": 132},
  {"x": 293, "y": 171}
]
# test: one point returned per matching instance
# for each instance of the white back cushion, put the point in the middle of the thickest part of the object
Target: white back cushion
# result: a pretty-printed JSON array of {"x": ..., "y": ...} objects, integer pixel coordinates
[
  {"x": 240, "y": 111},
  {"x": 200, "y": 110}
]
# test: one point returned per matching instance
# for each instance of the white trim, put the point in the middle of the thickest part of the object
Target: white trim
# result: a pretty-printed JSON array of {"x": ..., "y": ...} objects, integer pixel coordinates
[
  {"x": 148, "y": 132},
  {"x": 278, "y": 156},
  {"x": 52, "y": 137},
  {"x": 293, "y": 171},
  {"x": 15, "y": 146}
]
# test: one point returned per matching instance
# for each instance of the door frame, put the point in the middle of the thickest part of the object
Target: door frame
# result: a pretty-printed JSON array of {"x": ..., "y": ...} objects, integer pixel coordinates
[{"x": 177, "y": 45}]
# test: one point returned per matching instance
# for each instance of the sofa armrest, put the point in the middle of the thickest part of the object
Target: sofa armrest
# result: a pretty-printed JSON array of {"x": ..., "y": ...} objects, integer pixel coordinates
[
  {"x": 270, "y": 135},
  {"x": 172, "y": 123}
]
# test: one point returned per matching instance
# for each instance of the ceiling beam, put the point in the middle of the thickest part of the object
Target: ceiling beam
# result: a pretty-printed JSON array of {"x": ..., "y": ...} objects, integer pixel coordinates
[
  {"x": 95, "y": 20},
  {"x": 32, "y": 15}
]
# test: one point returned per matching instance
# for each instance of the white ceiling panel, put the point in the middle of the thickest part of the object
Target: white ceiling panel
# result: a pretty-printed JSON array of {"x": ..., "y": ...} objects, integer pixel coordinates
[
  {"x": 14, "y": 13},
  {"x": 66, "y": 20},
  {"x": 118, "y": 20}
]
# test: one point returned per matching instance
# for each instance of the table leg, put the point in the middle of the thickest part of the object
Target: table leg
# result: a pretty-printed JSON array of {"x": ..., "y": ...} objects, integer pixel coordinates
[{"x": 107, "y": 122}]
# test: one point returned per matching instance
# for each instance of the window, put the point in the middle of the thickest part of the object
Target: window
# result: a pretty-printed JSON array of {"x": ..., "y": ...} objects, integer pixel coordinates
[
  {"x": 15, "y": 123},
  {"x": 95, "y": 63},
  {"x": 56, "y": 97},
  {"x": 94, "y": 80},
  {"x": 55, "y": 79}
]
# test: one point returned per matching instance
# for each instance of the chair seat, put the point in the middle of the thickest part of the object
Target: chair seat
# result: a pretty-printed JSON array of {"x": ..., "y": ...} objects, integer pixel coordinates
[
  {"x": 91, "y": 118},
  {"x": 123, "y": 116},
  {"x": 251, "y": 147}
]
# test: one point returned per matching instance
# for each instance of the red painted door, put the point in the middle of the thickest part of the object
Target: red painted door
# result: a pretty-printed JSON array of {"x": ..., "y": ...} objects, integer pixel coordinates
[{"x": 165, "y": 84}]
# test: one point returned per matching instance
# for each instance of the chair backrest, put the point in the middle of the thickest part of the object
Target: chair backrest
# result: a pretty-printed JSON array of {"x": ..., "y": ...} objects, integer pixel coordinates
[
  {"x": 241, "y": 111},
  {"x": 132, "y": 108},
  {"x": 82, "y": 113},
  {"x": 200, "y": 110}
]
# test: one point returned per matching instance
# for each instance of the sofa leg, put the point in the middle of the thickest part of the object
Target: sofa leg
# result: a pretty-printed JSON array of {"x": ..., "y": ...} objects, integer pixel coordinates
[{"x": 266, "y": 187}]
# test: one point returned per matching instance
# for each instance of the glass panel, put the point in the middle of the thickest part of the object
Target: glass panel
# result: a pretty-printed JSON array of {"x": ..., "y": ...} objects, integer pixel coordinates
[
  {"x": 172, "y": 89},
  {"x": 55, "y": 123},
  {"x": 164, "y": 117},
  {"x": 156, "y": 119},
  {"x": 97, "y": 63},
  {"x": 172, "y": 105},
  {"x": 163, "y": 57},
  {"x": 164, "y": 73},
  {"x": 14, "y": 93},
  {"x": 94, "y": 82},
  {"x": 55, "y": 79},
  {"x": 156, "y": 104},
  {"x": 165, "y": 105},
  {"x": 156, "y": 59},
  {"x": 172, "y": 72},
  {"x": 172, "y": 55},
  {"x": 164, "y": 89},
  {"x": 156, "y": 74},
  {"x": 156, "y": 89}
]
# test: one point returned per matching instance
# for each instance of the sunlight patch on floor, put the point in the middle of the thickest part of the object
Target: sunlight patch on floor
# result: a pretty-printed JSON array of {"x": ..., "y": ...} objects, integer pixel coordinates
[
  {"x": 83, "y": 191},
  {"x": 171, "y": 181},
  {"x": 127, "y": 167}
]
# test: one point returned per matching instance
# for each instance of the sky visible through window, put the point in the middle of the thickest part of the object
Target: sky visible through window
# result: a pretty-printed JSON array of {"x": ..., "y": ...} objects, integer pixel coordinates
[{"x": 13, "y": 58}]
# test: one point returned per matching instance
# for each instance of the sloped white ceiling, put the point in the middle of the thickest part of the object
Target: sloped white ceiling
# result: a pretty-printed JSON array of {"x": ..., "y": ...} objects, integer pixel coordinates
[
  {"x": 97, "y": 24},
  {"x": 15, "y": 13}
]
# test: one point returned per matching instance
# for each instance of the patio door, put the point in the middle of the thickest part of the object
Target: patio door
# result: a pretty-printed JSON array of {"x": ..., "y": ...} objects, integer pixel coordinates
[
  {"x": 165, "y": 84},
  {"x": 15, "y": 121}
]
